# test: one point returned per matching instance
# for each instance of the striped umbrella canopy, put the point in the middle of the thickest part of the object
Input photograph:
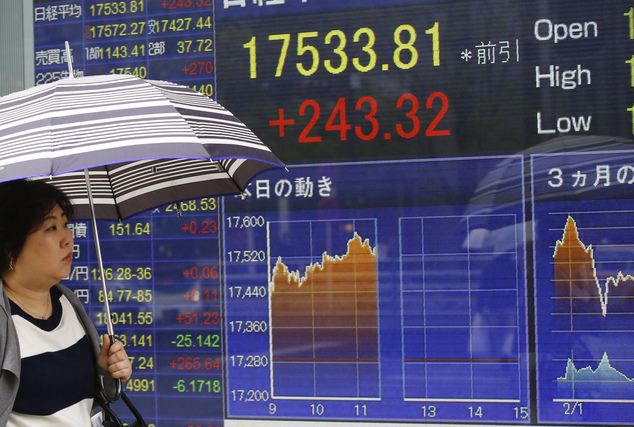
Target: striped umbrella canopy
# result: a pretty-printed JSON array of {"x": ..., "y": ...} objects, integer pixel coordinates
[{"x": 144, "y": 143}]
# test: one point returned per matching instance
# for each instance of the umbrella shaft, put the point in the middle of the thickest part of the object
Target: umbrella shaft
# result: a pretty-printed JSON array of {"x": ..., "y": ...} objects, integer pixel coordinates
[{"x": 99, "y": 258}]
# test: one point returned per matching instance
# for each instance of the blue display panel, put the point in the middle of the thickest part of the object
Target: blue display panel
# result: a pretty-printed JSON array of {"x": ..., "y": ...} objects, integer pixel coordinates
[
  {"x": 162, "y": 273},
  {"x": 440, "y": 320},
  {"x": 361, "y": 309},
  {"x": 583, "y": 267},
  {"x": 161, "y": 40}
]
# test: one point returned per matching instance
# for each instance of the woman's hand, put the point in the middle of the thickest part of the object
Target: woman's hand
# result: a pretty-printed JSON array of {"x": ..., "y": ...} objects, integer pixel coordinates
[{"x": 114, "y": 359}]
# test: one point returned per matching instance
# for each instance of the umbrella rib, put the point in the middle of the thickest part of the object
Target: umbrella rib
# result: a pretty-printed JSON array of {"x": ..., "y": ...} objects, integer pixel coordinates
[
  {"x": 222, "y": 169},
  {"x": 116, "y": 205}
]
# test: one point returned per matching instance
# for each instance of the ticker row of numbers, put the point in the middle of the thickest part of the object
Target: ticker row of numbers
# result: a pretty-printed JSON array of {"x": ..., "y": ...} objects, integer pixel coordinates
[{"x": 70, "y": 12}]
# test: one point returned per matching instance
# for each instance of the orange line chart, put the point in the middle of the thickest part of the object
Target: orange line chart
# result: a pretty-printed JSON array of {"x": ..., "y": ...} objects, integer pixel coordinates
[
  {"x": 324, "y": 325},
  {"x": 579, "y": 289}
]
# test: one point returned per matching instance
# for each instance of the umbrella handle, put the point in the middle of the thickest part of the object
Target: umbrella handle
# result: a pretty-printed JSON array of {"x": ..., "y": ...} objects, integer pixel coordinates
[
  {"x": 117, "y": 381},
  {"x": 117, "y": 393}
]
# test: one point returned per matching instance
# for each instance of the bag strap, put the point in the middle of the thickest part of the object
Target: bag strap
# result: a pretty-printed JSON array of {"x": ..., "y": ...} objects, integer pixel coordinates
[{"x": 110, "y": 419}]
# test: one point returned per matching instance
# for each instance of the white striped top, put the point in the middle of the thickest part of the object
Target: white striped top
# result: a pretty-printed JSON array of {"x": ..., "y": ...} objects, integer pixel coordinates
[{"x": 58, "y": 371}]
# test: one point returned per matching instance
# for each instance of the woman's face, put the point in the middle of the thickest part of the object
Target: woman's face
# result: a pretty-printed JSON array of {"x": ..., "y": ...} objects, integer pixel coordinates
[{"x": 47, "y": 253}]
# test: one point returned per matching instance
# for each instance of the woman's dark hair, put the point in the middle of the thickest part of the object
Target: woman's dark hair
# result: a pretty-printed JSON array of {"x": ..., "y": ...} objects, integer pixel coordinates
[{"x": 24, "y": 204}]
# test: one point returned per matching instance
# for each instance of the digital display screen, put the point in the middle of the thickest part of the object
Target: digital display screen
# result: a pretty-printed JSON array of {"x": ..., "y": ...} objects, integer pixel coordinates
[
  {"x": 450, "y": 245},
  {"x": 162, "y": 274},
  {"x": 162, "y": 40},
  {"x": 375, "y": 312},
  {"x": 162, "y": 270},
  {"x": 426, "y": 79},
  {"x": 583, "y": 279}
]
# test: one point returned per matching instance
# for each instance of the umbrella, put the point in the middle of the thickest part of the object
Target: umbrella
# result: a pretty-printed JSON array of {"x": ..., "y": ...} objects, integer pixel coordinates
[
  {"x": 80, "y": 123},
  {"x": 118, "y": 145}
]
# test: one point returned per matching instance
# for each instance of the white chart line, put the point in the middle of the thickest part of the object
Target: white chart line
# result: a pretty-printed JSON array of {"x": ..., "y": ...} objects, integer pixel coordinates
[
  {"x": 413, "y": 399},
  {"x": 594, "y": 400}
]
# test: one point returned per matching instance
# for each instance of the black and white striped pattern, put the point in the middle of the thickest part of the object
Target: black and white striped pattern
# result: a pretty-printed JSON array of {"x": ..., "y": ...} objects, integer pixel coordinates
[
  {"x": 122, "y": 190},
  {"x": 57, "y": 373},
  {"x": 124, "y": 123},
  {"x": 222, "y": 134}
]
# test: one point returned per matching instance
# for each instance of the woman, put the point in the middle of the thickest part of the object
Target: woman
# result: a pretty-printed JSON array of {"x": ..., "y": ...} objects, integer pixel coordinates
[{"x": 49, "y": 348}]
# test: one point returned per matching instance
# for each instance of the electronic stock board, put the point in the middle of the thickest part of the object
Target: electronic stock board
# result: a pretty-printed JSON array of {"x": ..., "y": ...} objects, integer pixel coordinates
[{"x": 451, "y": 243}]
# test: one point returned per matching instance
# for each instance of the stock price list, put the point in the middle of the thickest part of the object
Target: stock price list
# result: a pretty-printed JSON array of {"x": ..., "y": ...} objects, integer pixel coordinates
[
  {"x": 162, "y": 274},
  {"x": 169, "y": 40},
  {"x": 428, "y": 79}
]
